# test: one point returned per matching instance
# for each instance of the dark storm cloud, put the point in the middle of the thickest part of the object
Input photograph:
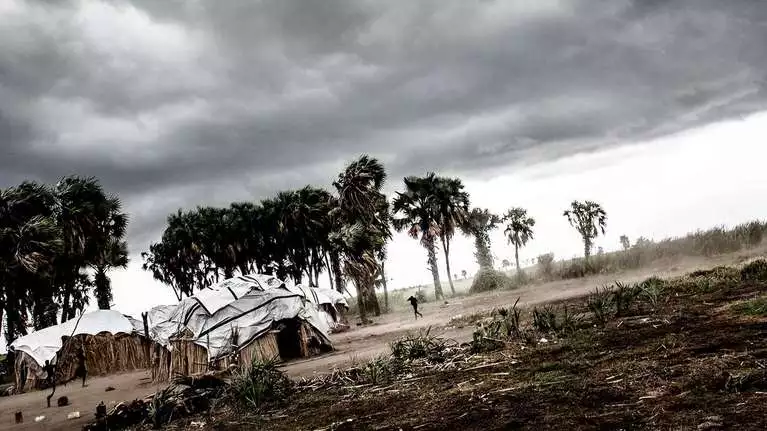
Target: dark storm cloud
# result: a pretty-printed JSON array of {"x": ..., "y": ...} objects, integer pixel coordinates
[{"x": 178, "y": 103}]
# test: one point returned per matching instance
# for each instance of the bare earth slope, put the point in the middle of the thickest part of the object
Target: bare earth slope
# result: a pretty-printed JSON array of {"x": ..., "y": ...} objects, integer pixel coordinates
[{"x": 357, "y": 344}]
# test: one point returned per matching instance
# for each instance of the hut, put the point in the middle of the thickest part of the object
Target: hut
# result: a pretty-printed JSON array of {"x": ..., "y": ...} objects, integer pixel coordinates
[
  {"x": 238, "y": 320},
  {"x": 112, "y": 343}
]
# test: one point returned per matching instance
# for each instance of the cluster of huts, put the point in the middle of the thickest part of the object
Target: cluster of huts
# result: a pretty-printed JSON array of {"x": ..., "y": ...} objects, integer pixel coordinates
[{"x": 235, "y": 322}]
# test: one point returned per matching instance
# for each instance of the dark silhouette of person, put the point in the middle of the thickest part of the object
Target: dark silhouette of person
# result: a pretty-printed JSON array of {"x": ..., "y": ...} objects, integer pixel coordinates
[
  {"x": 82, "y": 370},
  {"x": 50, "y": 373},
  {"x": 414, "y": 304}
]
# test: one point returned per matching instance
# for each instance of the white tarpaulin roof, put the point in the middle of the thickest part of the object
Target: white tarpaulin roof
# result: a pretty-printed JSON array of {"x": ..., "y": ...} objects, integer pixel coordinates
[
  {"x": 248, "y": 304},
  {"x": 42, "y": 345}
]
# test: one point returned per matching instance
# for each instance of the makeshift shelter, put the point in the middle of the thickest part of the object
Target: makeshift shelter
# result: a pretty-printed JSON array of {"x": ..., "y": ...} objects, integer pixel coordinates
[
  {"x": 112, "y": 343},
  {"x": 331, "y": 304},
  {"x": 236, "y": 321}
]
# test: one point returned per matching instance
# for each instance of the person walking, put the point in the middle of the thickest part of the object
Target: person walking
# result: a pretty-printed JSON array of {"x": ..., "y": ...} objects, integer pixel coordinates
[
  {"x": 414, "y": 304},
  {"x": 81, "y": 370}
]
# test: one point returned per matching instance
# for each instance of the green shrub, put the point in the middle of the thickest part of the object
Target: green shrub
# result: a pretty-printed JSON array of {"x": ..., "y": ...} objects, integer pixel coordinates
[
  {"x": 754, "y": 271},
  {"x": 490, "y": 279},
  {"x": 651, "y": 291},
  {"x": 545, "y": 319},
  {"x": 421, "y": 346},
  {"x": 600, "y": 303},
  {"x": 754, "y": 307},
  {"x": 262, "y": 383},
  {"x": 624, "y": 296},
  {"x": 493, "y": 335}
]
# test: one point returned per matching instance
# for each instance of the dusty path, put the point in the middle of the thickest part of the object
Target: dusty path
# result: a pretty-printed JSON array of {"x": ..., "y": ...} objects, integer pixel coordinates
[{"x": 355, "y": 345}]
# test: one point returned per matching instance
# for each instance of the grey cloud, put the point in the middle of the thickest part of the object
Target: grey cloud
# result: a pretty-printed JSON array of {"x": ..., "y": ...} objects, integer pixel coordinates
[{"x": 189, "y": 103}]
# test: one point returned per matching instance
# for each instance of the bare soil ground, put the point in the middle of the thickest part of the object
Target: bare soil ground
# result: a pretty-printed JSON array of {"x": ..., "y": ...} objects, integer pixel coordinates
[{"x": 432, "y": 408}]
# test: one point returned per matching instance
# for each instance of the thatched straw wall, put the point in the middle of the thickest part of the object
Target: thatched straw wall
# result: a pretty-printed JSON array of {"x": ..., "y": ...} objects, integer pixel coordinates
[
  {"x": 187, "y": 358},
  {"x": 105, "y": 354},
  {"x": 34, "y": 372},
  {"x": 263, "y": 348}
]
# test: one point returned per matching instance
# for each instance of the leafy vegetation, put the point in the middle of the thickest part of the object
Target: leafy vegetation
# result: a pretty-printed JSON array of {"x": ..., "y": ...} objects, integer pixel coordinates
[
  {"x": 50, "y": 235},
  {"x": 588, "y": 218},
  {"x": 260, "y": 384},
  {"x": 754, "y": 307},
  {"x": 519, "y": 230},
  {"x": 490, "y": 279},
  {"x": 479, "y": 223},
  {"x": 754, "y": 271}
]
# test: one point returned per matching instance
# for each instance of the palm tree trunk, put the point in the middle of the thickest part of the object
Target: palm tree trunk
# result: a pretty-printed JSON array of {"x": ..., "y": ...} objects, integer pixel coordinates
[
  {"x": 361, "y": 301},
  {"x": 516, "y": 257},
  {"x": 103, "y": 288},
  {"x": 372, "y": 299},
  {"x": 330, "y": 272},
  {"x": 446, "y": 249},
  {"x": 432, "y": 251},
  {"x": 586, "y": 248},
  {"x": 385, "y": 289},
  {"x": 65, "y": 305},
  {"x": 335, "y": 263}
]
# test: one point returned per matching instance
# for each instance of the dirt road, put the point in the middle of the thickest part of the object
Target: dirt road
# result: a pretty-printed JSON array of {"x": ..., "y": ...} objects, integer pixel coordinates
[{"x": 355, "y": 345}]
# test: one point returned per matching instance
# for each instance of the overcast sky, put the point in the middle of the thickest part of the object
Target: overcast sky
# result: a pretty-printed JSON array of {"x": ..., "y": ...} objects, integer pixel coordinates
[{"x": 651, "y": 107}]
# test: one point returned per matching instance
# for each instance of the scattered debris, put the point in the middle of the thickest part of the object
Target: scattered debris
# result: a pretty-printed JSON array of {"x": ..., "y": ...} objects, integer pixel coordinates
[
  {"x": 73, "y": 415},
  {"x": 109, "y": 389},
  {"x": 19, "y": 417},
  {"x": 39, "y": 418},
  {"x": 63, "y": 401}
]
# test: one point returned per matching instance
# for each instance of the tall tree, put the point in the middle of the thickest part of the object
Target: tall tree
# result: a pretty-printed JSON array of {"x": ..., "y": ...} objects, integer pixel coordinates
[
  {"x": 519, "y": 230},
  {"x": 452, "y": 211},
  {"x": 588, "y": 218},
  {"x": 83, "y": 211},
  {"x": 29, "y": 243},
  {"x": 417, "y": 212},
  {"x": 111, "y": 251},
  {"x": 479, "y": 224},
  {"x": 363, "y": 214},
  {"x": 625, "y": 242}
]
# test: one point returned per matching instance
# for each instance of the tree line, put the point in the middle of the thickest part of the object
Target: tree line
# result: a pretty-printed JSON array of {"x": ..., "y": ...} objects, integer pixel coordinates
[
  {"x": 59, "y": 241},
  {"x": 301, "y": 234},
  {"x": 57, "y": 244}
]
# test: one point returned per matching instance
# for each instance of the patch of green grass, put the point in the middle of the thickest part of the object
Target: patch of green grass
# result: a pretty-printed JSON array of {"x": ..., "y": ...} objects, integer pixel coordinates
[
  {"x": 261, "y": 383},
  {"x": 755, "y": 307}
]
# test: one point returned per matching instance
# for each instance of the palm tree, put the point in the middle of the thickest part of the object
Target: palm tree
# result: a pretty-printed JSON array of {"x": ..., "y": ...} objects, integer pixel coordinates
[
  {"x": 519, "y": 230},
  {"x": 479, "y": 224},
  {"x": 83, "y": 207},
  {"x": 110, "y": 251},
  {"x": 453, "y": 209},
  {"x": 420, "y": 218},
  {"x": 588, "y": 218},
  {"x": 362, "y": 214},
  {"x": 29, "y": 244}
]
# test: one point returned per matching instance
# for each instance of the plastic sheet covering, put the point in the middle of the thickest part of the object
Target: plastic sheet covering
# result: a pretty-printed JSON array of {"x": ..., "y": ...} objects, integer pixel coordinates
[
  {"x": 249, "y": 305},
  {"x": 42, "y": 345}
]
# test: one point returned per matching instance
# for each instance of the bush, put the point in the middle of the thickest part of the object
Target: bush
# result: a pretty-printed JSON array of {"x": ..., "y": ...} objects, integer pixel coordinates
[
  {"x": 754, "y": 271},
  {"x": 546, "y": 266},
  {"x": 490, "y": 279},
  {"x": 420, "y": 296},
  {"x": 493, "y": 335},
  {"x": 600, "y": 303},
  {"x": 422, "y": 346},
  {"x": 545, "y": 319},
  {"x": 262, "y": 383},
  {"x": 624, "y": 296}
]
